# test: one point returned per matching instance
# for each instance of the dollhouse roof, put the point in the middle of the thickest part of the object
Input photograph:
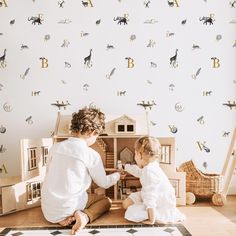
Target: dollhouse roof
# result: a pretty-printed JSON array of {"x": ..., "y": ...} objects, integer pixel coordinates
[
  {"x": 124, "y": 120},
  {"x": 9, "y": 180},
  {"x": 140, "y": 121}
]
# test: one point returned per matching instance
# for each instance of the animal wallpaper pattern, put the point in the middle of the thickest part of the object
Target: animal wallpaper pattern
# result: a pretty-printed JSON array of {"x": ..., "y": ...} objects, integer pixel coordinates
[{"x": 171, "y": 59}]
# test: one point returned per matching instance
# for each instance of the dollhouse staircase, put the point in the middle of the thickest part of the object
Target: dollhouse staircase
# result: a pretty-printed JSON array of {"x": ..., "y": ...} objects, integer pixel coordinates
[
  {"x": 110, "y": 160},
  {"x": 109, "y": 155}
]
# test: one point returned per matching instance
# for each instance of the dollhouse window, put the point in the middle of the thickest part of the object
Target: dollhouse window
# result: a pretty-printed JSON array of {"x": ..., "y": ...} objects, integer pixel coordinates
[
  {"x": 32, "y": 158},
  {"x": 44, "y": 155},
  {"x": 121, "y": 128},
  {"x": 33, "y": 191},
  {"x": 130, "y": 128},
  {"x": 125, "y": 128},
  {"x": 165, "y": 154}
]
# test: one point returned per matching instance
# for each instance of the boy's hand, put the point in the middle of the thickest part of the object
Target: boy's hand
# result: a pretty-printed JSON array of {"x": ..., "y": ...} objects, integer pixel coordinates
[{"x": 122, "y": 174}]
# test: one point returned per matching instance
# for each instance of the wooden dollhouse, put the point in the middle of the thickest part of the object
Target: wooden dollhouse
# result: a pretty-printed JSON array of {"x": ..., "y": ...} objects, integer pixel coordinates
[
  {"x": 116, "y": 145},
  {"x": 24, "y": 191}
]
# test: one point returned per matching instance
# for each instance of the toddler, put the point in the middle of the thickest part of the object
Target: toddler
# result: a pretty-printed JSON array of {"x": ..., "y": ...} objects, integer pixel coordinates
[{"x": 156, "y": 202}]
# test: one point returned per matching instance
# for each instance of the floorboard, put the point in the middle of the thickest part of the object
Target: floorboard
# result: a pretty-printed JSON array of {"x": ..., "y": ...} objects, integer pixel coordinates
[{"x": 203, "y": 218}]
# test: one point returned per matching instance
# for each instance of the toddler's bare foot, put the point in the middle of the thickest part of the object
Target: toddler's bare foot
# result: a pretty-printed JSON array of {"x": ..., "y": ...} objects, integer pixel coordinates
[
  {"x": 160, "y": 222},
  {"x": 67, "y": 221},
  {"x": 81, "y": 220}
]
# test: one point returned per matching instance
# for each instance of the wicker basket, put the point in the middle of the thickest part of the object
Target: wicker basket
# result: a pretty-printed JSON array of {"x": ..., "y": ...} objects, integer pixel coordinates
[{"x": 201, "y": 184}]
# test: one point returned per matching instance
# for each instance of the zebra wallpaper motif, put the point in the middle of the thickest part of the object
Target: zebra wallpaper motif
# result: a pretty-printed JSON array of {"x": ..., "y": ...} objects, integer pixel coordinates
[{"x": 174, "y": 60}]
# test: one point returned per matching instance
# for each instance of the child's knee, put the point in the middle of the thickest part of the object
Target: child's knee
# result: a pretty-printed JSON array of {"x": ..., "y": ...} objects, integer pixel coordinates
[
  {"x": 107, "y": 202},
  {"x": 126, "y": 203}
]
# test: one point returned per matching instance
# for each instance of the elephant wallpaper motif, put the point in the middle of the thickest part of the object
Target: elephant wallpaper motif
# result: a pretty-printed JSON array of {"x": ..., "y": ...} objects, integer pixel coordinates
[{"x": 172, "y": 59}]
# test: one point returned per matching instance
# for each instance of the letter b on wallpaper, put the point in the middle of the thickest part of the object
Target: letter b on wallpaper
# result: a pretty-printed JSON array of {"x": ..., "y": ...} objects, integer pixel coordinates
[
  {"x": 44, "y": 62},
  {"x": 130, "y": 62},
  {"x": 215, "y": 62}
]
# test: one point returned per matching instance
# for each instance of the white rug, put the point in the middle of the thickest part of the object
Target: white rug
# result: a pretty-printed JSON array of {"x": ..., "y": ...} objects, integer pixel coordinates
[{"x": 113, "y": 230}]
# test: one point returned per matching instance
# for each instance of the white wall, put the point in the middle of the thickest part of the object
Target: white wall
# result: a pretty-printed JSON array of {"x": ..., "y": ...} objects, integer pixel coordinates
[{"x": 141, "y": 82}]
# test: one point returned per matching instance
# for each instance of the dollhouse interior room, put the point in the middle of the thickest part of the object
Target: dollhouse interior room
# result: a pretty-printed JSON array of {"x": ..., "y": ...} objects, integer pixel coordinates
[{"x": 155, "y": 68}]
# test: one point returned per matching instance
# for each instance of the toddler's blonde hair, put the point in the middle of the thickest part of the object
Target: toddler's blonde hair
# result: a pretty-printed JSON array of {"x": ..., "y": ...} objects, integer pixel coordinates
[{"x": 148, "y": 146}]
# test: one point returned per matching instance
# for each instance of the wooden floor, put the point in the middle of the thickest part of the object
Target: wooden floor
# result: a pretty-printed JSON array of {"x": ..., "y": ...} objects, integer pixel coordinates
[{"x": 202, "y": 218}]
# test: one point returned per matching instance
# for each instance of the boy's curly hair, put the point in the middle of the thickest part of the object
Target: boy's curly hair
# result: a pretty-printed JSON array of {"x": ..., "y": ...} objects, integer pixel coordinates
[
  {"x": 88, "y": 119},
  {"x": 149, "y": 146}
]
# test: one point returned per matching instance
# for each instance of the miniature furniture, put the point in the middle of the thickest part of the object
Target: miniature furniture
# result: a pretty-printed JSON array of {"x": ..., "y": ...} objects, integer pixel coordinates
[
  {"x": 116, "y": 144},
  {"x": 24, "y": 191}
]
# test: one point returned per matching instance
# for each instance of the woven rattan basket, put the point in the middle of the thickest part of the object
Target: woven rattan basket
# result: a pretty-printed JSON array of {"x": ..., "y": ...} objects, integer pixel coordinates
[{"x": 200, "y": 184}]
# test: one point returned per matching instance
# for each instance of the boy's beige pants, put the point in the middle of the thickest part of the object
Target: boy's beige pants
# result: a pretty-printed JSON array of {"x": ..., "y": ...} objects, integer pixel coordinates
[{"x": 96, "y": 206}]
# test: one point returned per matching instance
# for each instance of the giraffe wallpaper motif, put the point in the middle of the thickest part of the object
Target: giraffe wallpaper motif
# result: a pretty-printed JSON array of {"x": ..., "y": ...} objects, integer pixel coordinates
[{"x": 172, "y": 59}]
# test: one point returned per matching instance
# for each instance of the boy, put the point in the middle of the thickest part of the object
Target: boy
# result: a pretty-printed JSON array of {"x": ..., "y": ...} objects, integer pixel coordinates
[{"x": 71, "y": 167}]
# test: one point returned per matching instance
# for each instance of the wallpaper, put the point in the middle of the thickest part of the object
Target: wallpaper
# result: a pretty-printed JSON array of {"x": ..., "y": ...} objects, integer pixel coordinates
[{"x": 173, "y": 60}]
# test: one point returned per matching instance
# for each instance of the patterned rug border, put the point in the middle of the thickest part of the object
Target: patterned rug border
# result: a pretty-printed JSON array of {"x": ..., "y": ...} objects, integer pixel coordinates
[{"x": 180, "y": 227}]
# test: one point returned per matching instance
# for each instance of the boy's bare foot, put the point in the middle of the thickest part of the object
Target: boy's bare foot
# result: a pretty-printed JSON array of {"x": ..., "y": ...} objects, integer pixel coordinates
[
  {"x": 81, "y": 220},
  {"x": 67, "y": 221}
]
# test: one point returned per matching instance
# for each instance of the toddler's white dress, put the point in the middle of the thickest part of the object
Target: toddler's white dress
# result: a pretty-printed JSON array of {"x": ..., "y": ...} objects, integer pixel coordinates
[{"x": 157, "y": 192}]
